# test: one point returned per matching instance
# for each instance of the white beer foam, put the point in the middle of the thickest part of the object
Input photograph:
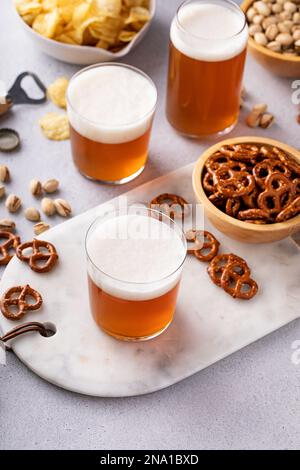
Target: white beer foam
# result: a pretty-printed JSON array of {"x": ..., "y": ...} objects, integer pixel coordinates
[
  {"x": 111, "y": 104},
  {"x": 136, "y": 249},
  {"x": 209, "y": 31}
]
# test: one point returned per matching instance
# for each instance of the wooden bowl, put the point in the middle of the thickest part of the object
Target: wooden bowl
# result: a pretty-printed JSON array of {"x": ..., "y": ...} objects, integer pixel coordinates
[
  {"x": 235, "y": 228},
  {"x": 279, "y": 64}
]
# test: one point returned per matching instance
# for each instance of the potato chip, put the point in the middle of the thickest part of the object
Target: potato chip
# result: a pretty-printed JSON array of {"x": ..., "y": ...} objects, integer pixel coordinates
[
  {"x": 46, "y": 23},
  {"x": 18, "y": 3},
  {"x": 107, "y": 30},
  {"x": 138, "y": 14},
  {"x": 102, "y": 44},
  {"x": 76, "y": 36},
  {"x": 108, "y": 24},
  {"x": 127, "y": 36},
  {"x": 88, "y": 39},
  {"x": 29, "y": 19},
  {"x": 104, "y": 7},
  {"x": 79, "y": 35},
  {"x": 137, "y": 25},
  {"x": 137, "y": 3},
  {"x": 66, "y": 39},
  {"x": 59, "y": 29},
  {"x": 80, "y": 14},
  {"x": 66, "y": 8},
  {"x": 28, "y": 7},
  {"x": 49, "y": 5},
  {"x": 57, "y": 92},
  {"x": 55, "y": 126}
]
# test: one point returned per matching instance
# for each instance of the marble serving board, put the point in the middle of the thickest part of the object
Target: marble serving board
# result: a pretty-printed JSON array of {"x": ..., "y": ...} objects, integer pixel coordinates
[{"x": 208, "y": 325}]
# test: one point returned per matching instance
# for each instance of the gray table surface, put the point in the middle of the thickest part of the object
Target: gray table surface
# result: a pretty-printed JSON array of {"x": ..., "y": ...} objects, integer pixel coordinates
[{"x": 249, "y": 400}]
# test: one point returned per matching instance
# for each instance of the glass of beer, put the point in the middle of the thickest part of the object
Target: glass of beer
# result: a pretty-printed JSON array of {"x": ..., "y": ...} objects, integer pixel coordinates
[
  {"x": 111, "y": 108},
  {"x": 208, "y": 41},
  {"x": 134, "y": 265}
]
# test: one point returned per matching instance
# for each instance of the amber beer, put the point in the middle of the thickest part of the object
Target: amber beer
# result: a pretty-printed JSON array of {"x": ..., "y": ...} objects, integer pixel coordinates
[
  {"x": 134, "y": 269},
  {"x": 111, "y": 109},
  {"x": 208, "y": 41},
  {"x": 134, "y": 319}
]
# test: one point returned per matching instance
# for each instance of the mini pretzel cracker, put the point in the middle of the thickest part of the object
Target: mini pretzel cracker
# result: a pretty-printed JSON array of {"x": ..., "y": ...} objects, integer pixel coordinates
[
  {"x": 289, "y": 162},
  {"x": 48, "y": 258},
  {"x": 241, "y": 152},
  {"x": 239, "y": 183},
  {"x": 176, "y": 207},
  {"x": 208, "y": 182},
  {"x": 232, "y": 273},
  {"x": 268, "y": 152},
  {"x": 232, "y": 206},
  {"x": 205, "y": 247},
  {"x": 261, "y": 178},
  {"x": 250, "y": 200},
  {"x": 277, "y": 187},
  {"x": 255, "y": 222},
  {"x": 254, "y": 214},
  {"x": 214, "y": 161},
  {"x": 267, "y": 167},
  {"x": 236, "y": 165},
  {"x": 10, "y": 242},
  {"x": 220, "y": 262},
  {"x": 234, "y": 283},
  {"x": 217, "y": 199},
  {"x": 228, "y": 271},
  {"x": 17, "y": 297},
  {"x": 296, "y": 183},
  {"x": 290, "y": 211}
]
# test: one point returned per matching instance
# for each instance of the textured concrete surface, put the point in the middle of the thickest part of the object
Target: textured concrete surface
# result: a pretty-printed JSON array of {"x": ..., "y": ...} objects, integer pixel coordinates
[{"x": 249, "y": 400}]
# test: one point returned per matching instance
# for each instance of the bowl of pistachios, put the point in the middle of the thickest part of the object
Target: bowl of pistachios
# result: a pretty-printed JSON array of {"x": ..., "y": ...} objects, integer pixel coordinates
[{"x": 274, "y": 34}]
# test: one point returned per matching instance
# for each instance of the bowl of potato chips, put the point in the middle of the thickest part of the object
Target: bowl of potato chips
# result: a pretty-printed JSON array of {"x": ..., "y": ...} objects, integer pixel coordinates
[{"x": 85, "y": 31}]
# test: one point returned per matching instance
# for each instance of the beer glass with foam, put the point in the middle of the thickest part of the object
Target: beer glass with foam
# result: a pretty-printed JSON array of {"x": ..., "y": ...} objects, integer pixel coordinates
[
  {"x": 134, "y": 265},
  {"x": 208, "y": 40},
  {"x": 110, "y": 108}
]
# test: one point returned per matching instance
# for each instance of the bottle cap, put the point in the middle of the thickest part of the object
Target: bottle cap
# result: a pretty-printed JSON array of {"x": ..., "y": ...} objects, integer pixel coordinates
[{"x": 9, "y": 140}]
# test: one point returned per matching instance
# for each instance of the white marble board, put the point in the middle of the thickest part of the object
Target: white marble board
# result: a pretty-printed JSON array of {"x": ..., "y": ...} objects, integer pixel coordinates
[{"x": 209, "y": 325}]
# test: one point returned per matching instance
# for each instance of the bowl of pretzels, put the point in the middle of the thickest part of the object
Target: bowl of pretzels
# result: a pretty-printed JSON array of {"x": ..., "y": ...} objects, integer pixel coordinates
[{"x": 250, "y": 188}]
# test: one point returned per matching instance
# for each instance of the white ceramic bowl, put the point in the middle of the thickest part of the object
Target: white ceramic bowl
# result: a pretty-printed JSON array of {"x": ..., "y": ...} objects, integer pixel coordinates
[{"x": 82, "y": 55}]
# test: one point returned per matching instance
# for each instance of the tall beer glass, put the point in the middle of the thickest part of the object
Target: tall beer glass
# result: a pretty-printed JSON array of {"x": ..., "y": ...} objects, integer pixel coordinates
[
  {"x": 111, "y": 108},
  {"x": 134, "y": 269},
  {"x": 208, "y": 42}
]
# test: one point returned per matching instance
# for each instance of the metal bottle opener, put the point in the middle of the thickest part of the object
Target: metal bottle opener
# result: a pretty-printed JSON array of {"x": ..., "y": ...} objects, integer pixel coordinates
[{"x": 17, "y": 95}]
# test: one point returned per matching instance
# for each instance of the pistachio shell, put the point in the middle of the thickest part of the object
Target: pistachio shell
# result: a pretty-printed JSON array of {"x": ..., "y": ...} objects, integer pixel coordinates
[
  {"x": 40, "y": 227},
  {"x": 51, "y": 185},
  {"x": 4, "y": 173},
  {"x": 35, "y": 187},
  {"x": 48, "y": 206},
  {"x": 32, "y": 214},
  {"x": 7, "y": 225},
  {"x": 2, "y": 190},
  {"x": 13, "y": 203},
  {"x": 63, "y": 208}
]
